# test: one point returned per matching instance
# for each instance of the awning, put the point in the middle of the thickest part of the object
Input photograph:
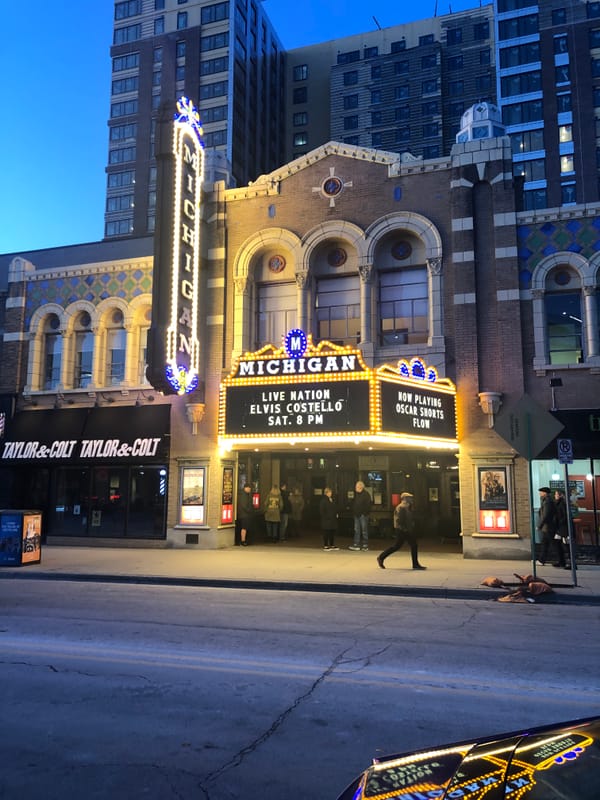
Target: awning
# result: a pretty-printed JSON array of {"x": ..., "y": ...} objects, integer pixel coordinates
[{"x": 123, "y": 434}]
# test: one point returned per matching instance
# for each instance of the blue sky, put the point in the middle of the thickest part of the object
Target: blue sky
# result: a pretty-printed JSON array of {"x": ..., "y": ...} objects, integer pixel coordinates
[{"x": 55, "y": 94}]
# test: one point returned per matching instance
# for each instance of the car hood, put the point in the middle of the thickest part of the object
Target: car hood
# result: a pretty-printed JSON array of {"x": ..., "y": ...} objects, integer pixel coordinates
[{"x": 554, "y": 762}]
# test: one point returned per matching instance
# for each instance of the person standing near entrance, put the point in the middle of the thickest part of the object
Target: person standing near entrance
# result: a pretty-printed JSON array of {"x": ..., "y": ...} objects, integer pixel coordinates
[
  {"x": 546, "y": 522},
  {"x": 297, "y": 503},
  {"x": 562, "y": 526},
  {"x": 328, "y": 515},
  {"x": 272, "y": 508},
  {"x": 361, "y": 505},
  {"x": 285, "y": 512},
  {"x": 404, "y": 525},
  {"x": 245, "y": 513}
]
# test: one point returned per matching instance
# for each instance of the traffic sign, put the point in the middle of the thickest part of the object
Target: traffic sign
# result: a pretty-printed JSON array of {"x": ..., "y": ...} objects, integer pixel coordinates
[
  {"x": 565, "y": 451},
  {"x": 526, "y": 426}
]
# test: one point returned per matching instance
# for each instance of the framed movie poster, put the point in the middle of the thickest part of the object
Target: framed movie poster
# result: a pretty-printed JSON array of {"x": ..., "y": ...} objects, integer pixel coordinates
[{"x": 493, "y": 489}]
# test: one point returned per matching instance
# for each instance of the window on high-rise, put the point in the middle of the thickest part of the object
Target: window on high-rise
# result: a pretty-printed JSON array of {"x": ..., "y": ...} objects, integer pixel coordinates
[
  {"x": 527, "y": 141},
  {"x": 397, "y": 47},
  {"x": 213, "y": 65},
  {"x": 376, "y": 96},
  {"x": 594, "y": 38},
  {"x": 124, "y": 85},
  {"x": 121, "y": 155},
  {"x": 456, "y": 88},
  {"x": 485, "y": 56},
  {"x": 559, "y": 16},
  {"x": 481, "y": 30},
  {"x": 455, "y": 63},
  {"x": 520, "y": 54},
  {"x": 533, "y": 170},
  {"x": 350, "y": 101},
  {"x": 376, "y": 117},
  {"x": 123, "y": 109},
  {"x": 119, "y": 227},
  {"x": 209, "y": 90},
  {"x": 180, "y": 49},
  {"x": 120, "y": 132},
  {"x": 431, "y": 151},
  {"x": 595, "y": 67},
  {"x": 159, "y": 26},
  {"x": 122, "y": 202},
  {"x": 300, "y": 95},
  {"x": 592, "y": 10},
  {"x": 426, "y": 39},
  {"x": 401, "y": 92},
  {"x": 431, "y": 108},
  {"x": 565, "y": 133},
  {"x": 483, "y": 83},
  {"x": 515, "y": 27},
  {"x": 376, "y": 139},
  {"x": 567, "y": 164},
  {"x": 375, "y": 72},
  {"x": 518, "y": 113},
  {"x": 402, "y": 135},
  {"x": 214, "y": 42},
  {"x": 300, "y": 139},
  {"x": 116, "y": 180},
  {"x": 300, "y": 118},
  {"x": 157, "y": 55},
  {"x": 350, "y": 123},
  {"x": 182, "y": 20},
  {"x": 429, "y": 61},
  {"x": 454, "y": 36},
  {"x": 128, "y": 61},
  {"x": 180, "y": 73},
  {"x": 370, "y": 52},
  {"x": 568, "y": 194},
  {"x": 350, "y": 78},
  {"x": 300, "y": 72},
  {"x": 130, "y": 33},
  {"x": 521, "y": 83},
  {"x": 431, "y": 129},
  {"x": 563, "y": 103},
  {"x": 401, "y": 67},
  {"x": 402, "y": 113},
  {"x": 534, "y": 199},
  {"x": 131, "y": 8},
  {"x": 348, "y": 58},
  {"x": 561, "y": 74},
  {"x": 214, "y": 13},
  {"x": 159, "y": 5}
]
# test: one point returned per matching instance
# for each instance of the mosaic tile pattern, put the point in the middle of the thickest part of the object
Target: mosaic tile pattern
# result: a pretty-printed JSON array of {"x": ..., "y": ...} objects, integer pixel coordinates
[
  {"x": 536, "y": 242},
  {"x": 93, "y": 287}
]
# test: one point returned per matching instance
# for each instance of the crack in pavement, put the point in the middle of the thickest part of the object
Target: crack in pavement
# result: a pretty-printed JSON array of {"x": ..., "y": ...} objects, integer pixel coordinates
[{"x": 237, "y": 759}]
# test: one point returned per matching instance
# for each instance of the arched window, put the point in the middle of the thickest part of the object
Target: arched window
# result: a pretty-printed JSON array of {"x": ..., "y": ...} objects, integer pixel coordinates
[
  {"x": 276, "y": 312},
  {"x": 337, "y": 309},
  {"x": 116, "y": 346},
  {"x": 51, "y": 361},
  {"x": 403, "y": 306},
  {"x": 563, "y": 314},
  {"x": 84, "y": 351}
]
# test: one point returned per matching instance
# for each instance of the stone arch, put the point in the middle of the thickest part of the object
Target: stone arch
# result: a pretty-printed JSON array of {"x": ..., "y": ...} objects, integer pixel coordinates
[
  {"x": 340, "y": 229},
  {"x": 563, "y": 258},
  {"x": 417, "y": 224},
  {"x": 267, "y": 237}
]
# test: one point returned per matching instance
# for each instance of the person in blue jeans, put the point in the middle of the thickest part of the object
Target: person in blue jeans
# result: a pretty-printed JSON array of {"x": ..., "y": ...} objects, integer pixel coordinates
[{"x": 361, "y": 506}]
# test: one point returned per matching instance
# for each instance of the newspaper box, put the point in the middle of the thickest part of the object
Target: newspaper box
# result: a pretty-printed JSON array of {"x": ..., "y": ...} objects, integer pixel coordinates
[{"x": 20, "y": 537}]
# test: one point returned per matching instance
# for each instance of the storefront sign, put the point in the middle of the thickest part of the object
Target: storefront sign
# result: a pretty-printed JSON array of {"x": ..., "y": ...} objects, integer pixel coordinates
[{"x": 138, "y": 434}]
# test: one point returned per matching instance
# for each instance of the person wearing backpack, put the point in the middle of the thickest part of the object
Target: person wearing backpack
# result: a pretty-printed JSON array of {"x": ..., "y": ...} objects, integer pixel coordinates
[
  {"x": 404, "y": 526},
  {"x": 273, "y": 507}
]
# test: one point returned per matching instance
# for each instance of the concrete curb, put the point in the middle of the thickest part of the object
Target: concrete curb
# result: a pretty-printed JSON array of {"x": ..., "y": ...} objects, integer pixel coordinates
[{"x": 445, "y": 593}]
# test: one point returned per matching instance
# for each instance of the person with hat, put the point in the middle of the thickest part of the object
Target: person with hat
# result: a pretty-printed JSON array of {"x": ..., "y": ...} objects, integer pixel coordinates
[
  {"x": 404, "y": 525},
  {"x": 546, "y": 522}
]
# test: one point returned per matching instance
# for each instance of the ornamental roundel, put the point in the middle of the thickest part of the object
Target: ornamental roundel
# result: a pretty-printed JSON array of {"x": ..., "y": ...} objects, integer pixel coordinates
[
  {"x": 336, "y": 257},
  {"x": 277, "y": 263},
  {"x": 401, "y": 250},
  {"x": 332, "y": 186}
]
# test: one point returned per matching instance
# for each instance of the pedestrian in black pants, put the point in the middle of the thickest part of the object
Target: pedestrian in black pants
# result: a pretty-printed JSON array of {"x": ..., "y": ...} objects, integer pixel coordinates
[
  {"x": 328, "y": 515},
  {"x": 404, "y": 525},
  {"x": 546, "y": 525}
]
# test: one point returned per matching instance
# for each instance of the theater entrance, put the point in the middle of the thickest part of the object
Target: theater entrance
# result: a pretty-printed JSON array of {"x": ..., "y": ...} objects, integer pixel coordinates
[{"x": 431, "y": 477}]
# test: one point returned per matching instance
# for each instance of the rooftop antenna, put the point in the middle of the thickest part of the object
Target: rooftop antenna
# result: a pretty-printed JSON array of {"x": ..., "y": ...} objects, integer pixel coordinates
[
  {"x": 376, "y": 22},
  {"x": 435, "y": 9}
]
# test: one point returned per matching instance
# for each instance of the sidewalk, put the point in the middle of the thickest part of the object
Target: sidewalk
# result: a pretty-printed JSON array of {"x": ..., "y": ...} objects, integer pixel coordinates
[{"x": 293, "y": 568}]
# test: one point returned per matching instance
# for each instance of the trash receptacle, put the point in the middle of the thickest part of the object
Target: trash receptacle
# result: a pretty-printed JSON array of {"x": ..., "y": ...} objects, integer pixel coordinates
[{"x": 20, "y": 537}]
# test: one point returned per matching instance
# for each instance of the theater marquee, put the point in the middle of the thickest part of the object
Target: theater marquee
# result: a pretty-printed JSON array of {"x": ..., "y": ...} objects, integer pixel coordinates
[{"x": 326, "y": 392}]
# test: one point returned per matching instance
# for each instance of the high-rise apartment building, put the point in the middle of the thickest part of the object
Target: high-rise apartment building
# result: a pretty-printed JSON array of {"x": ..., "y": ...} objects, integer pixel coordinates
[
  {"x": 402, "y": 88},
  {"x": 224, "y": 55},
  {"x": 548, "y": 68}
]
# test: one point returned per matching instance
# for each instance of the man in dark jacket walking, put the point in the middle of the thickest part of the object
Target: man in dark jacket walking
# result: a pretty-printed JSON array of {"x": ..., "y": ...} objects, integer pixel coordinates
[{"x": 404, "y": 525}]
